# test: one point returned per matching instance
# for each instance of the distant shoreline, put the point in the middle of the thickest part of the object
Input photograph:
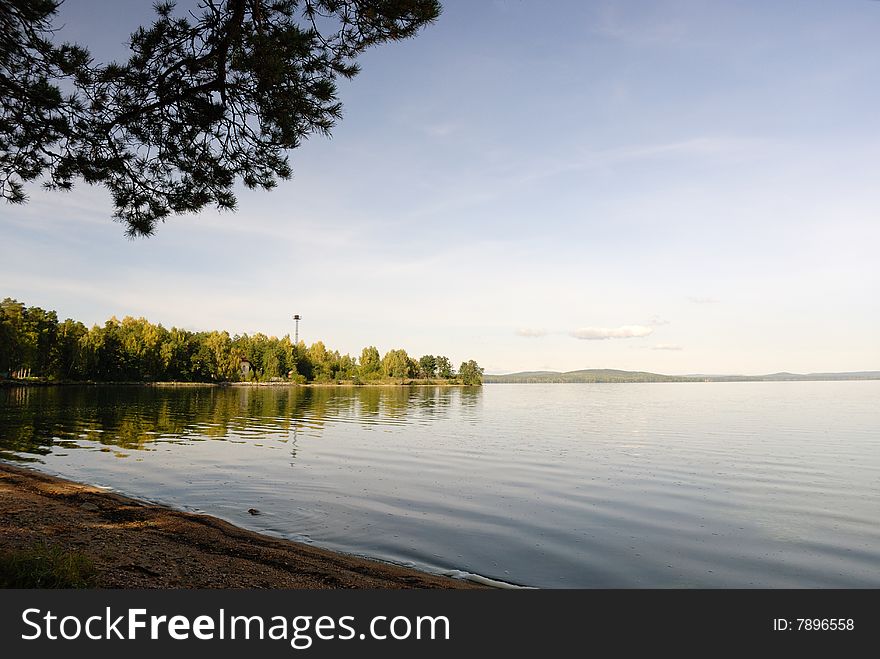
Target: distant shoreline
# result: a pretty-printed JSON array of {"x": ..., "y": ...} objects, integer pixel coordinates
[{"x": 611, "y": 376}]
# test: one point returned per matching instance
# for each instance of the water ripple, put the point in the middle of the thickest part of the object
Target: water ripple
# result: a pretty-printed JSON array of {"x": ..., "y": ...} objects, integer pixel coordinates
[{"x": 654, "y": 485}]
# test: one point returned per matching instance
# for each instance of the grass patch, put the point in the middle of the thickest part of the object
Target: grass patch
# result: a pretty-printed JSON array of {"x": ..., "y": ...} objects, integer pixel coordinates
[{"x": 45, "y": 566}]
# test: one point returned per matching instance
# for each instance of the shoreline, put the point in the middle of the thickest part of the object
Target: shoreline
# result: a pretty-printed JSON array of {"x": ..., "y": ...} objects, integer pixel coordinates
[
  {"x": 344, "y": 384},
  {"x": 136, "y": 544}
]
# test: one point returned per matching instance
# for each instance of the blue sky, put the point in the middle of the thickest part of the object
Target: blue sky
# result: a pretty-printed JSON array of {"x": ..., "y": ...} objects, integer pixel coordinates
[{"x": 675, "y": 186}]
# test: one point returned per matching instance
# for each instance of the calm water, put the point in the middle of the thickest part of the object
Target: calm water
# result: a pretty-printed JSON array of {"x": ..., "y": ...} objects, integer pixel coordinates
[{"x": 632, "y": 485}]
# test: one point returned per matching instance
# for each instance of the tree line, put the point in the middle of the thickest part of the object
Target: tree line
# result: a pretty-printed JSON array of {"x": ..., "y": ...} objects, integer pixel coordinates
[{"x": 33, "y": 343}]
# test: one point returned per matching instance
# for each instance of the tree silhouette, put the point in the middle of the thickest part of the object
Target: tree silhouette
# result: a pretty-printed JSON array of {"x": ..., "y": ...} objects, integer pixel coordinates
[{"x": 205, "y": 99}]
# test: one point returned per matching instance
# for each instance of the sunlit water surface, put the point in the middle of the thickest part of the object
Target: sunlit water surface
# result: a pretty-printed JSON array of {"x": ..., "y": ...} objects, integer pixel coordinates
[{"x": 627, "y": 485}]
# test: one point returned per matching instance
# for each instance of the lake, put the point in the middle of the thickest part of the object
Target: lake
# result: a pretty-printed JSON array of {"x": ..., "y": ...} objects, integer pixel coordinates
[{"x": 755, "y": 484}]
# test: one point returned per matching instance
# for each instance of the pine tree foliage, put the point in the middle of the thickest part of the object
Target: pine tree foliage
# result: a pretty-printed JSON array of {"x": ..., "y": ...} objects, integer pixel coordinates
[{"x": 206, "y": 98}]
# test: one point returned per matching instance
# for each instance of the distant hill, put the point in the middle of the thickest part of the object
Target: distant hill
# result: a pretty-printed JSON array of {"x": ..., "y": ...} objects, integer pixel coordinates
[
  {"x": 604, "y": 375},
  {"x": 855, "y": 375},
  {"x": 586, "y": 376}
]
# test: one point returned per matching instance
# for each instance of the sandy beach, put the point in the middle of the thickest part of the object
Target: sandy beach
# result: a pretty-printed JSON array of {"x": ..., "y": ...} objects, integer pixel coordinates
[{"x": 134, "y": 544}]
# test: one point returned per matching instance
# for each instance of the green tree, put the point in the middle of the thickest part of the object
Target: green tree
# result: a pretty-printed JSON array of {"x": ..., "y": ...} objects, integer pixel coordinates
[
  {"x": 470, "y": 373},
  {"x": 272, "y": 362},
  {"x": 370, "y": 366},
  {"x": 67, "y": 361},
  {"x": 444, "y": 368},
  {"x": 205, "y": 99},
  {"x": 11, "y": 335},
  {"x": 255, "y": 349},
  {"x": 176, "y": 355},
  {"x": 27, "y": 337},
  {"x": 346, "y": 368},
  {"x": 201, "y": 360},
  {"x": 396, "y": 364},
  {"x": 142, "y": 346},
  {"x": 321, "y": 362},
  {"x": 222, "y": 364},
  {"x": 40, "y": 327},
  {"x": 104, "y": 356},
  {"x": 303, "y": 363},
  {"x": 288, "y": 358},
  {"x": 428, "y": 366}
]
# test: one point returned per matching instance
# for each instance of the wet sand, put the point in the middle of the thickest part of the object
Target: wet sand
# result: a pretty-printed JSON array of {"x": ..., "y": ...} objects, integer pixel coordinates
[{"x": 134, "y": 544}]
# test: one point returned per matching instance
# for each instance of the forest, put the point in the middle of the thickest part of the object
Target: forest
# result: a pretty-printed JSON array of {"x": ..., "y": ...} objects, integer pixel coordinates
[{"x": 35, "y": 345}]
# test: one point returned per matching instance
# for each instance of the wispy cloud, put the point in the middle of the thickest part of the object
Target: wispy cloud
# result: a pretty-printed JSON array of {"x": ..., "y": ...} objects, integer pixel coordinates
[
  {"x": 702, "y": 300},
  {"x": 666, "y": 346},
  {"x": 611, "y": 24},
  {"x": 442, "y": 129},
  {"x": 602, "y": 333},
  {"x": 518, "y": 172},
  {"x": 657, "y": 321},
  {"x": 531, "y": 333},
  {"x": 700, "y": 146}
]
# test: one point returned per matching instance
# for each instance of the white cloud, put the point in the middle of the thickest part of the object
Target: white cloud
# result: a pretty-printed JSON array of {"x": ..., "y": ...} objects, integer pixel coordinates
[
  {"x": 702, "y": 300},
  {"x": 531, "y": 333},
  {"x": 657, "y": 321},
  {"x": 601, "y": 333},
  {"x": 666, "y": 346}
]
